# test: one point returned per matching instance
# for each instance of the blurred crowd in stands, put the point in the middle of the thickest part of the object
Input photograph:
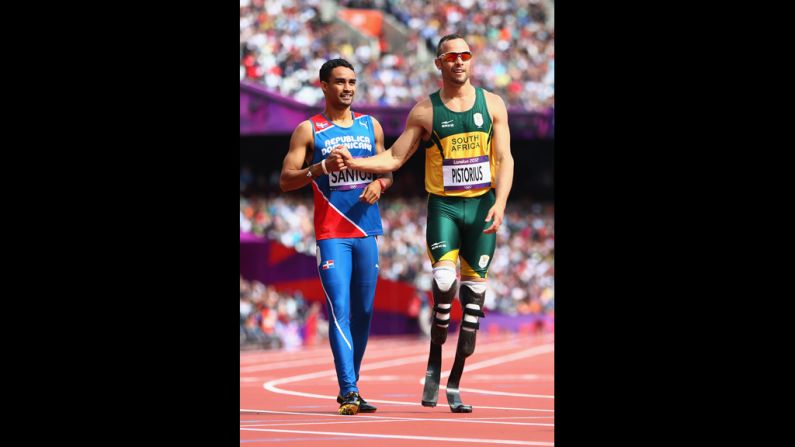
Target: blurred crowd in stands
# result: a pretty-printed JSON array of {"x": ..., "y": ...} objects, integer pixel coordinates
[
  {"x": 283, "y": 43},
  {"x": 272, "y": 319}
]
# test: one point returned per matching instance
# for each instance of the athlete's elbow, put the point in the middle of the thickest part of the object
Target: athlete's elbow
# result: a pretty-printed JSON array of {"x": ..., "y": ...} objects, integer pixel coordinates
[
  {"x": 507, "y": 161},
  {"x": 395, "y": 164},
  {"x": 285, "y": 185}
]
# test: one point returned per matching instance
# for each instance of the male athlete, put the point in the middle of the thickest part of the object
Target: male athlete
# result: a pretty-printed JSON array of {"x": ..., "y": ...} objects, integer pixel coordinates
[
  {"x": 468, "y": 176},
  {"x": 347, "y": 220}
]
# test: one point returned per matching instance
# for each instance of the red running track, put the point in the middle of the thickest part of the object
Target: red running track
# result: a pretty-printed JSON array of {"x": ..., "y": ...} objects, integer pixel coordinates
[{"x": 288, "y": 398}]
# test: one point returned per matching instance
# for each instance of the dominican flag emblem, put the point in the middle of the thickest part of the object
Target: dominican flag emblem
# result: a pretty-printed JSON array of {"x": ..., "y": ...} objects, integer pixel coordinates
[{"x": 328, "y": 264}]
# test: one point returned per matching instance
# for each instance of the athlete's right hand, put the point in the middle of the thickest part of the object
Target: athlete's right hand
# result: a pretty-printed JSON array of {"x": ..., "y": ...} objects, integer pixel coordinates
[
  {"x": 346, "y": 156},
  {"x": 336, "y": 161}
]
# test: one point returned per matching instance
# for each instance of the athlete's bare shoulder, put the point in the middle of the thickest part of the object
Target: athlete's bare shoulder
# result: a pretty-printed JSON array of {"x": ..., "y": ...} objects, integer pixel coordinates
[
  {"x": 424, "y": 104},
  {"x": 495, "y": 104},
  {"x": 493, "y": 99},
  {"x": 422, "y": 114},
  {"x": 302, "y": 139},
  {"x": 304, "y": 128}
]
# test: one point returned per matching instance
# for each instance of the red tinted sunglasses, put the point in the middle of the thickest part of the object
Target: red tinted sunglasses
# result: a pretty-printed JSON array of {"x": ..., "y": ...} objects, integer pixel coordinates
[{"x": 453, "y": 56}]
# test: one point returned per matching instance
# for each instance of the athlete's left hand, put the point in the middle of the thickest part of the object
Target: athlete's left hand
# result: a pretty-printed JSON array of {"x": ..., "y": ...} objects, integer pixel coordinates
[
  {"x": 372, "y": 193},
  {"x": 496, "y": 212}
]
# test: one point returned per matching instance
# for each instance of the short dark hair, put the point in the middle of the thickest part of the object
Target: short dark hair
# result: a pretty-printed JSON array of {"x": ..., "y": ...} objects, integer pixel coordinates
[
  {"x": 445, "y": 39},
  {"x": 325, "y": 70}
]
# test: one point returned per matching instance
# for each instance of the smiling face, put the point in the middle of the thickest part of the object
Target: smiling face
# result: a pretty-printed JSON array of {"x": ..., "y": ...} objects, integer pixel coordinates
[
  {"x": 451, "y": 61},
  {"x": 340, "y": 87}
]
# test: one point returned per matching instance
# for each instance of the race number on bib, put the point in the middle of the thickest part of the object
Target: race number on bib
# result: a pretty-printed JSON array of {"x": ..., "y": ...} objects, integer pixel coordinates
[
  {"x": 466, "y": 173},
  {"x": 349, "y": 179}
]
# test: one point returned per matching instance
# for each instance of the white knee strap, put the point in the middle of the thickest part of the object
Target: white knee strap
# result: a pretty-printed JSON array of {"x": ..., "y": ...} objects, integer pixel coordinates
[
  {"x": 477, "y": 287},
  {"x": 444, "y": 277}
]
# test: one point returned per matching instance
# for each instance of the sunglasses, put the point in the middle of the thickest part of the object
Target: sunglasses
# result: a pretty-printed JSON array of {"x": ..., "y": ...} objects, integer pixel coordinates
[{"x": 453, "y": 56}]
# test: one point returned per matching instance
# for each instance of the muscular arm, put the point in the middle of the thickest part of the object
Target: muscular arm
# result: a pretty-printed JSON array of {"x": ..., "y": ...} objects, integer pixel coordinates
[
  {"x": 373, "y": 192},
  {"x": 501, "y": 150},
  {"x": 419, "y": 120},
  {"x": 379, "y": 149},
  {"x": 293, "y": 174}
]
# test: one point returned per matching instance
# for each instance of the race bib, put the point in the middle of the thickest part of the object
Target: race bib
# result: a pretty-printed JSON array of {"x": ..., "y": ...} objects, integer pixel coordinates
[
  {"x": 349, "y": 179},
  {"x": 466, "y": 173}
]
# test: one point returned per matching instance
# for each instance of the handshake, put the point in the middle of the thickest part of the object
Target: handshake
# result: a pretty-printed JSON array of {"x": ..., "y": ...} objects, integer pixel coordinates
[{"x": 340, "y": 159}]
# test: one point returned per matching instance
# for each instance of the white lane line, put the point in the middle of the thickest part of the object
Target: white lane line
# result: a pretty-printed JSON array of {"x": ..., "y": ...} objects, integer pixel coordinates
[
  {"x": 418, "y": 438},
  {"x": 373, "y": 418}
]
